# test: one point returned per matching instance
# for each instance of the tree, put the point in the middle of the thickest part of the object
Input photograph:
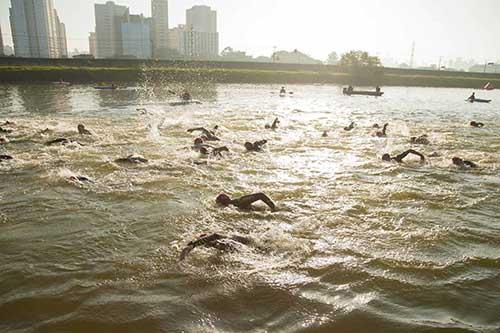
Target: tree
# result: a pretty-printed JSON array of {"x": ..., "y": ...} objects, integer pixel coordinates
[
  {"x": 359, "y": 59},
  {"x": 333, "y": 58}
]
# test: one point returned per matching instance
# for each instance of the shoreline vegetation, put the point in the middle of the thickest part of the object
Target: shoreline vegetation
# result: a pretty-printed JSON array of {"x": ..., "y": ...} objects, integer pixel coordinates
[{"x": 41, "y": 71}]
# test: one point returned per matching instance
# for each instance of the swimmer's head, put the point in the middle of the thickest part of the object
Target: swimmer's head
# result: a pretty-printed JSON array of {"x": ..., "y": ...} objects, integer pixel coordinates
[
  {"x": 198, "y": 141},
  {"x": 413, "y": 139},
  {"x": 81, "y": 127},
  {"x": 249, "y": 146},
  {"x": 223, "y": 199},
  {"x": 457, "y": 160},
  {"x": 386, "y": 157}
]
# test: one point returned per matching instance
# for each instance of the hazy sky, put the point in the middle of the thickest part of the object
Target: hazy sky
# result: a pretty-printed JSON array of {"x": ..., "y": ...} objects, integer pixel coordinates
[{"x": 447, "y": 28}]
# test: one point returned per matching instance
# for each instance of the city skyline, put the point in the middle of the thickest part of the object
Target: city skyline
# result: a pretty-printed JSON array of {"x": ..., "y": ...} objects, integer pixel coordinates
[{"x": 437, "y": 33}]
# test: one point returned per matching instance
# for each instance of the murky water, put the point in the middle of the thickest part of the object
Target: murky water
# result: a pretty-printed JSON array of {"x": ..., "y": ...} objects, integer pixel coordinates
[{"x": 357, "y": 245}]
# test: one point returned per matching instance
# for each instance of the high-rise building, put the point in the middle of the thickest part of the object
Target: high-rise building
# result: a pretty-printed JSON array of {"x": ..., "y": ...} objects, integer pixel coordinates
[
  {"x": 202, "y": 19},
  {"x": 109, "y": 18},
  {"x": 136, "y": 37},
  {"x": 201, "y": 30},
  {"x": 177, "y": 39},
  {"x": 61, "y": 37},
  {"x": 36, "y": 29},
  {"x": 93, "y": 44},
  {"x": 1, "y": 42},
  {"x": 159, "y": 10}
]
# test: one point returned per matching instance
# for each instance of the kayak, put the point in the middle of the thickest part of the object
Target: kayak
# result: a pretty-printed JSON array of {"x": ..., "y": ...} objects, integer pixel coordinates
[
  {"x": 363, "y": 93},
  {"x": 478, "y": 100},
  {"x": 105, "y": 87},
  {"x": 180, "y": 103}
]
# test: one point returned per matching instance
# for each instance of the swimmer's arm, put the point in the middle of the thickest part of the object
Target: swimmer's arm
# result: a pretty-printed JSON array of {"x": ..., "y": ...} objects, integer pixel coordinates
[
  {"x": 201, "y": 129},
  {"x": 247, "y": 200},
  {"x": 204, "y": 240},
  {"x": 402, "y": 156}
]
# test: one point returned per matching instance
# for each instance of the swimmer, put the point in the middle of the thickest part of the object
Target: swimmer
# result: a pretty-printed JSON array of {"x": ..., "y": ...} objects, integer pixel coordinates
[
  {"x": 463, "y": 164},
  {"x": 216, "y": 241},
  {"x": 256, "y": 146},
  {"x": 80, "y": 179},
  {"x": 325, "y": 134},
  {"x": 62, "y": 141},
  {"x": 82, "y": 130},
  {"x": 350, "y": 127},
  {"x": 421, "y": 140},
  {"x": 6, "y": 158},
  {"x": 209, "y": 135},
  {"x": 246, "y": 201},
  {"x": 476, "y": 124},
  {"x": 218, "y": 151},
  {"x": 274, "y": 125},
  {"x": 198, "y": 145},
  {"x": 132, "y": 159},
  {"x": 3, "y": 140},
  {"x": 5, "y": 131},
  {"x": 282, "y": 91},
  {"x": 186, "y": 96},
  {"x": 8, "y": 123},
  {"x": 399, "y": 158},
  {"x": 376, "y": 126},
  {"x": 383, "y": 133}
]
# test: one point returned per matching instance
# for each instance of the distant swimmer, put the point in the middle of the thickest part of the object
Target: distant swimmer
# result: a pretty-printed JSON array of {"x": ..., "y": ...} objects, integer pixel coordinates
[
  {"x": 208, "y": 135},
  {"x": 376, "y": 126},
  {"x": 186, "y": 96},
  {"x": 463, "y": 164},
  {"x": 282, "y": 91},
  {"x": 62, "y": 141},
  {"x": 8, "y": 123},
  {"x": 82, "y": 130},
  {"x": 142, "y": 111},
  {"x": 256, "y": 146},
  {"x": 200, "y": 146},
  {"x": 350, "y": 127},
  {"x": 132, "y": 159},
  {"x": 383, "y": 133},
  {"x": 420, "y": 140},
  {"x": 5, "y": 131},
  {"x": 476, "y": 124},
  {"x": 399, "y": 158},
  {"x": 325, "y": 134},
  {"x": 80, "y": 179},
  {"x": 246, "y": 201},
  {"x": 472, "y": 97},
  {"x": 46, "y": 131},
  {"x": 3, "y": 140},
  {"x": 274, "y": 125},
  {"x": 216, "y": 241},
  {"x": 6, "y": 158}
]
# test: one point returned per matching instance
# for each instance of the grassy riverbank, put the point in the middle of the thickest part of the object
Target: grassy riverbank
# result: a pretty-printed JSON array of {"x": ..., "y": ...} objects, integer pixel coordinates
[{"x": 79, "y": 74}]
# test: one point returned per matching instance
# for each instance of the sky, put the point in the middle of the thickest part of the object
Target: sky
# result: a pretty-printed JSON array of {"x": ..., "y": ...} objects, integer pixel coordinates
[{"x": 439, "y": 28}]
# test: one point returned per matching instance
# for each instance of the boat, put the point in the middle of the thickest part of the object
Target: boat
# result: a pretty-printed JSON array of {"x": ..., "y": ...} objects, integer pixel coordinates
[
  {"x": 363, "y": 93},
  {"x": 479, "y": 100},
  {"x": 181, "y": 103},
  {"x": 489, "y": 86},
  {"x": 112, "y": 87}
]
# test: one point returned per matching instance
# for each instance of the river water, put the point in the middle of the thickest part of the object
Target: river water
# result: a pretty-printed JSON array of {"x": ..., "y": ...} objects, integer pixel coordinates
[{"x": 357, "y": 244}]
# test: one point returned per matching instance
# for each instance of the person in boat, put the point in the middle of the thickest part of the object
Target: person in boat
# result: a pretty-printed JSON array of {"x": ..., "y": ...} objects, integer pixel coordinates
[
  {"x": 216, "y": 241},
  {"x": 6, "y": 158},
  {"x": 463, "y": 163},
  {"x": 209, "y": 135},
  {"x": 383, "y": 133},
  {"x": 246, "y": 201},
  {"x": 186, "y": 96},
  {"x": 476, "y": 124},
  {"x": 256, "y": 146},
  {"x": 472, "y": 97},
  {"x": 399, "y": 158},
  {"x": 377, "y": 90},
  {"x": 132, "y": 159},
  {"x": 82, "y": 130},
  {"x": 274, "y": 125},
  {"x": 350, "y": 89},
  {"x": 350, "y": 127},
  {"x": 282, "y": 91},
  {"x": 420, "y": 140},
  {"x": 62, "y": 141}
]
